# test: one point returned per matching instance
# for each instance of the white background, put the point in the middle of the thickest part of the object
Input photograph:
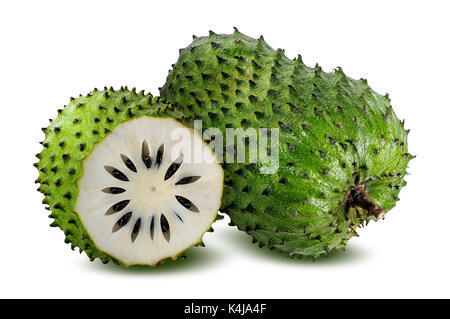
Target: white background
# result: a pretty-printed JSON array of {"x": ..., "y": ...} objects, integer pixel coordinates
[{"x": 51, "y": 50}]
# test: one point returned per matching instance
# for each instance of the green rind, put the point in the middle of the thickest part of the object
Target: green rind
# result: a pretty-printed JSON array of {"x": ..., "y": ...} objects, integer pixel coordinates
[
  {"x": 332, "y": 129},
  {"x": 69, "y": 140}
]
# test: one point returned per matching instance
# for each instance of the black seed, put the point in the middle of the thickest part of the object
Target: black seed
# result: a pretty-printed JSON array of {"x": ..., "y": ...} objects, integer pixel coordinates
[
  {"x": 120, "y": 205},
  {"x": 152, "y": 227},
  {"x": 164, "y": 224},
  {"x": 113, "y": 190},
  {"x": 57, "y": 182},
  {"x": 145, "y": 155},
  {"x": 186, "y": 203},
  {"x": 188, "y": 180},
  {"x": 172, "y": 170},
  {"x": 116, "y": 173},
  {"x": 136, "y": 228},
  {"x": 159, "y": 155},
  {"x": 117, "y": 207},
  {"x": 122, "y": 221},
  {"x": 128, "y": 163}
]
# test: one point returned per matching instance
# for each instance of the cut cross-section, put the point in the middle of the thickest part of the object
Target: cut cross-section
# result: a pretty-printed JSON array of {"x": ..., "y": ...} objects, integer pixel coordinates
[{"x": 145, "y": 195}]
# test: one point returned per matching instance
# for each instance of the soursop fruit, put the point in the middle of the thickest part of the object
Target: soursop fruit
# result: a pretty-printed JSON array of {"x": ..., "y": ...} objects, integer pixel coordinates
[
  {"x": 343, "y": 152},
  {"x": 120, "y": 185}
]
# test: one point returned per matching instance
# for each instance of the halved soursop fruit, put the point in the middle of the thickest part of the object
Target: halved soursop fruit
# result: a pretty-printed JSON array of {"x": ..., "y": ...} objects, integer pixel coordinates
[
  {"x": 342, "y": 150},
  {"x": 121, "y": 181}
]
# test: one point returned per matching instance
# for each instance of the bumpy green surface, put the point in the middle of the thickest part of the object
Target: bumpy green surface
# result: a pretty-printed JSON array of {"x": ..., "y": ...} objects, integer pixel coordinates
[
  {"x": 69, "y": 140},
  {"x": 335, "y": 133}
]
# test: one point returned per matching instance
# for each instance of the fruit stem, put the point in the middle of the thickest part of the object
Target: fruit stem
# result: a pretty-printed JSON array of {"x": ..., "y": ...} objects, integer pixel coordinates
[{"x": 359, "y": 198}]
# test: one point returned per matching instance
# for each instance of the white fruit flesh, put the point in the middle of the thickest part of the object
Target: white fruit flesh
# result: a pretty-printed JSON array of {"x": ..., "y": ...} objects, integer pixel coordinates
[{"x": 162, "y": 223}]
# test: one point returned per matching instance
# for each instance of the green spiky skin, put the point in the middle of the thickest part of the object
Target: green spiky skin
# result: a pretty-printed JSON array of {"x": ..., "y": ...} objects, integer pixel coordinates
[
  {"x": 335, "y": 133},
  {"x": 69, "y": 139}
]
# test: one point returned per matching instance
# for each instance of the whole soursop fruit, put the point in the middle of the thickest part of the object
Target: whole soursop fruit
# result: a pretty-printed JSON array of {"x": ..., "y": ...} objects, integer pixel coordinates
[
  {"x": 120, "y": 186},
  {"x": 343, "y": 152}
]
